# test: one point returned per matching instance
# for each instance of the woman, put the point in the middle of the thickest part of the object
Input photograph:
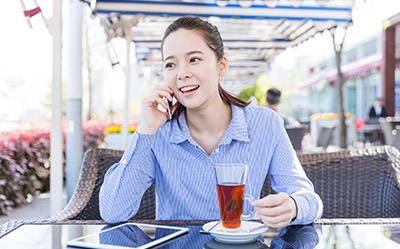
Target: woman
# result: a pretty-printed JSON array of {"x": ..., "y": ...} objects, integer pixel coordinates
[{"x": 209, "y": 126}]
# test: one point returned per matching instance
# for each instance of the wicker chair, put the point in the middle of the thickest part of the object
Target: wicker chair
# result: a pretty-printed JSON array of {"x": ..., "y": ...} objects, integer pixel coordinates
[
  {"x": 84, "y": 204},
  {"x": 355, "y": 184},
  {"x": 352, "y": 184}
]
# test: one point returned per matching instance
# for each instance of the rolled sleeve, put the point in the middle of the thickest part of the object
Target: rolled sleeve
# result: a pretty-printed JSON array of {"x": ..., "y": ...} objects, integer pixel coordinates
[
  {"x": 309, "y": 208},
  {"x": 288, "y": 176},
  {"x": 126, "y": 181}
]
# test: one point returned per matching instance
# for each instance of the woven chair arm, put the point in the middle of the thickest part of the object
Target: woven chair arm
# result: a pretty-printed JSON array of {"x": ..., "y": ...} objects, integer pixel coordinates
[
  {"x": 82, "y": 193},
  {"x": 361, "y": 221},
  {"x": 10, "y": 226},
  {"x": 101, "y": 222}
]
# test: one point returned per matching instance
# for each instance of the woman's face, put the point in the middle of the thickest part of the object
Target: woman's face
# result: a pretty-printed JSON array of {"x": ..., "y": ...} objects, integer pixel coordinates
[{"x": 191, "y": 68}]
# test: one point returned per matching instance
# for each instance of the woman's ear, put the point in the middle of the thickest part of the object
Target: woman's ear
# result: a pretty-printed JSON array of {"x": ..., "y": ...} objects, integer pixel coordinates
[{"x": 223, "y": 65}]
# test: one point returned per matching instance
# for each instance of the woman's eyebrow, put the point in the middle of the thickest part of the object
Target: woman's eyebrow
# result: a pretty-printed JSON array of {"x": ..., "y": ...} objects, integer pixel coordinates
[
  {"x": 169, "y": 57},
  {"x": 188, "y": 53},
  {"x": 194, "y": 52}
]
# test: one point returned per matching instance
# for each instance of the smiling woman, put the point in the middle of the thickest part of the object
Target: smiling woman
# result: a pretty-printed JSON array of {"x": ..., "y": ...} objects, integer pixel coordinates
[
  {"x": 198, "y": 58},
  {"x": 209, "y": 127}
]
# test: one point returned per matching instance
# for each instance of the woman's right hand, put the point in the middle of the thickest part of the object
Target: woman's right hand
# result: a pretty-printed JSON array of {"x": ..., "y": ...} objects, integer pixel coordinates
[{"x": 153, "y": 118}]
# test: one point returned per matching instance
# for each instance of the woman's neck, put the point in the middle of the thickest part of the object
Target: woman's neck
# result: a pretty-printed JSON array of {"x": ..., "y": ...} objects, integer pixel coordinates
[{"x": 211, "y": 118}]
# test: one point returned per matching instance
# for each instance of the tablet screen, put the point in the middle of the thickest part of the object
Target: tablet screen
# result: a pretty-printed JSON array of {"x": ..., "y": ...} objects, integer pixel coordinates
[{"x": 129, "y": 235}]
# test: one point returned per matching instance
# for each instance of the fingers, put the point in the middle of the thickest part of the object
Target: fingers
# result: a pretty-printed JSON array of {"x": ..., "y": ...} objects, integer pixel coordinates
[
  {"x": 275, "y": 217},
  {"x": 278, "y": 221},
  {"x": 162, "y": 101},
  {"x": 164, "y": 88},
  {"x": 154, "y": 101},
  {"x": 163, "y": 92},
  {"x": 271, "y": 200},
  {"x": 275, "y": 210},
  {"x": 159, "y": 103},
  {"x": 160, "y": 94}
]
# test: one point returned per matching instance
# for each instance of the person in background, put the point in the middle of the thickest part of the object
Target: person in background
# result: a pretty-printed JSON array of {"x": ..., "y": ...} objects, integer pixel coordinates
[
  {"x": 273, "y": 98},
  {"x": 378, "y": 109}
]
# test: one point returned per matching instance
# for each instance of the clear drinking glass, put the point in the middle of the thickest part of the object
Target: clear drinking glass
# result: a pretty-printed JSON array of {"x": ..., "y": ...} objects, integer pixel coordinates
[{"x": 231, "y": 182}]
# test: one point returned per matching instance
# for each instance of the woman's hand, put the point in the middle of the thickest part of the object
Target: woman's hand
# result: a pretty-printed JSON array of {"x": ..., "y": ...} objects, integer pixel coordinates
[
  {"x": 276, "y": 210},
  {"x": 153, "y": 117}
]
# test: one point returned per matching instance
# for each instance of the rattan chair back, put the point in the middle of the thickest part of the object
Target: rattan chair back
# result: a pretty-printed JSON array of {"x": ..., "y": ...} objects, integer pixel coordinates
[{"x": 355, "y": 184}]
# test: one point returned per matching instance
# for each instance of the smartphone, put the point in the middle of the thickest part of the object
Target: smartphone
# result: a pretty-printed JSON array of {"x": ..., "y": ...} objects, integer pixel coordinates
[
  {"x": 169, "y": 109},
  {"x": 169, "y": 105}
]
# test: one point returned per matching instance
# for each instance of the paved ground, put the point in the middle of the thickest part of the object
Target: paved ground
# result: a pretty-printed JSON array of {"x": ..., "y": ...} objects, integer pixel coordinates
[{"x": 39, "y": 208}]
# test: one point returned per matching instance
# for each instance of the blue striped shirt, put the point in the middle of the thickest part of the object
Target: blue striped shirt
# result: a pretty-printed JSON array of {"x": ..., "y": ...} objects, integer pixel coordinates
[{"x": 183, "y": 172}]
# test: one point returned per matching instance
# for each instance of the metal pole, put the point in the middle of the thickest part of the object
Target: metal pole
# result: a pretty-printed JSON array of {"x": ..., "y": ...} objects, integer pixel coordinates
[
  {"x": 56, "y": 156},
  {"x": 74, "y": 139},
  {"x": 74, "y": 152}
]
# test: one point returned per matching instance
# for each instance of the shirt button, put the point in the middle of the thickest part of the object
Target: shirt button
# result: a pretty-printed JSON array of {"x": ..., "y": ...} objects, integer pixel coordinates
[
  {"x": 217, "y": 150},
  {"x": 123, "y": 161}
]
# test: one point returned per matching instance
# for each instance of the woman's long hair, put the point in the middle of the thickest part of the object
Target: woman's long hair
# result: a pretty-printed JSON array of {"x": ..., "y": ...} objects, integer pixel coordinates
[{"x": 213, "y": 40}]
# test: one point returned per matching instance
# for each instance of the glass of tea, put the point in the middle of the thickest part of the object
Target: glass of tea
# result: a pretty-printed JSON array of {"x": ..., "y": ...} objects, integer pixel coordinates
[{"x": 231, "y": 182}]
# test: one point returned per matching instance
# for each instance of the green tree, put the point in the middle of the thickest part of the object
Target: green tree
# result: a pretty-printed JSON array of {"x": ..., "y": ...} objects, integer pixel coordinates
[{"x": 254, "y": 90}]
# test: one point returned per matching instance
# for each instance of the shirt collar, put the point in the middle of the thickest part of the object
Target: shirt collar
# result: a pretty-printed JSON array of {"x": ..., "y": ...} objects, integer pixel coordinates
[
  {"x": 180, "y": 132},
  {"x": 237, "y": 129}
]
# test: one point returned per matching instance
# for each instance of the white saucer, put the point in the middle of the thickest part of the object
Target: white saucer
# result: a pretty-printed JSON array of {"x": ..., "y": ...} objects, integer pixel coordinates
[{"x": 235, "y": 236}]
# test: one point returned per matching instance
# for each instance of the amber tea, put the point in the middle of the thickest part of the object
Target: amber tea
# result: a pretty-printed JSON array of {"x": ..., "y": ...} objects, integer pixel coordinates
[{"x": 230, "y": 199}]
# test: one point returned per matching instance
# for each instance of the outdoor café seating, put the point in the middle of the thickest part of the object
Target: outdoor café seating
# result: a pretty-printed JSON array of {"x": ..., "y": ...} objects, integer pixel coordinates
[{"x": 352, "y": 184}]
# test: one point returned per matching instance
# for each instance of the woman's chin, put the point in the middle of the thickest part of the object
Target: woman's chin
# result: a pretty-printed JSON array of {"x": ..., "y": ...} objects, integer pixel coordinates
[{"x": 191, "y": 105}]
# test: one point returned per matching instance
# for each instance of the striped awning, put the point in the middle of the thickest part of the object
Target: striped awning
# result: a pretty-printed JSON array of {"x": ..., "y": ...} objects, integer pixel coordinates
[{"x": 252, "y": 35}]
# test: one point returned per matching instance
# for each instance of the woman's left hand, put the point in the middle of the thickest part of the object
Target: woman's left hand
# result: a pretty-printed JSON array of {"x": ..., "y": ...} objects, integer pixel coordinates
[{"x": 276, "y": 210}]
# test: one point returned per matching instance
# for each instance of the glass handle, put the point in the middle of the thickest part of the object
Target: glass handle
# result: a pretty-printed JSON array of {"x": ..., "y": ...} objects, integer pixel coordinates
[{"x": 250, "y": 199}]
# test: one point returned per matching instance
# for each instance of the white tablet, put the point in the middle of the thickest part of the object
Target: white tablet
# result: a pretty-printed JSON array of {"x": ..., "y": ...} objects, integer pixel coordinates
[{"x": 129, "y": 235}]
